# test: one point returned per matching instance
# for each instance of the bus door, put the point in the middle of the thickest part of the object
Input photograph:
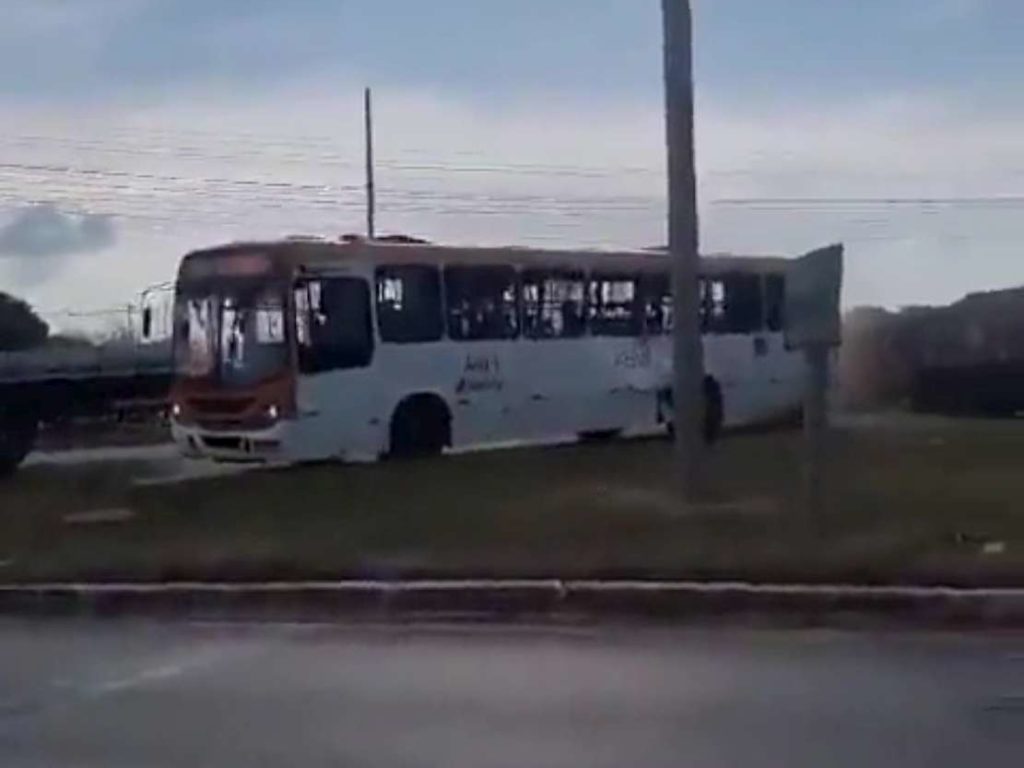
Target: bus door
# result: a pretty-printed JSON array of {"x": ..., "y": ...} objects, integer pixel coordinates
[
  {"x": 483, "y": 317},
  {"x": 336, "y": 395},
  {"x": 736, "y": 344},
  {"x": 780, "y": 368},
  {"x": 554, "y": 372}
]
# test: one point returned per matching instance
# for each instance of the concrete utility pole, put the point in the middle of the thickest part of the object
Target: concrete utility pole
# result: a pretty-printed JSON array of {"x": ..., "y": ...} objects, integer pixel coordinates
[
  {"x": 371, "y": 194},
  {"x": 687, "y": 347}
]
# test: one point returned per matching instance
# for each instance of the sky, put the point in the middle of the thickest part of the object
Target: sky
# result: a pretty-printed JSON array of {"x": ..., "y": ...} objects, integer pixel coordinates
[{"x": 135, "y": 130}]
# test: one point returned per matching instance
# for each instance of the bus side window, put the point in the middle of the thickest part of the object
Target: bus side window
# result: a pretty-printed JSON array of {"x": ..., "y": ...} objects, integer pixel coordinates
[
  {"x": 731, "y": 304},
  {"x": 614, "y": 309},
  {"x": 712, "y": 305},
  {"x": 409, "y": 304},
  {"x": 483, "y": 302},
  {"x": 334, "y": 331},
  {"x": 775, "y": 302},
  {"x": 656, "y": 304},
  {"x": 744, "y": 303},
  {"x": 554, "y": 304}
]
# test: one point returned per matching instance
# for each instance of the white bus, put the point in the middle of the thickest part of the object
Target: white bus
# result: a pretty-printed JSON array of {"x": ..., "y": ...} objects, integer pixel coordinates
[{"x": 303, "y": 349}]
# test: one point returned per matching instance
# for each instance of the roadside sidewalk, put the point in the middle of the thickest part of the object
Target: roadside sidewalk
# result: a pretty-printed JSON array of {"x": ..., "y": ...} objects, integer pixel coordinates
[{"x": 534, "y": 599}]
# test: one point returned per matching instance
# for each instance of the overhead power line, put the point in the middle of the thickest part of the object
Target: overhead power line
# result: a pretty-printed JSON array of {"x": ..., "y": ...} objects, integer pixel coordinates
[
  {"x": 817, "y": 202},
  {"x": 298, "y": 151}
]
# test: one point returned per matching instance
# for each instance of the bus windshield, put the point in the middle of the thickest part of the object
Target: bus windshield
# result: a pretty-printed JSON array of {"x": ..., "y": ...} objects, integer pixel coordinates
[{"x": 232, "y": 332}]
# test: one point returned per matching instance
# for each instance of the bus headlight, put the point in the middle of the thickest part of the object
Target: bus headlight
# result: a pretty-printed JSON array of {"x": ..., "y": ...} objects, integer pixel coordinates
[
  {"x": 273, "y": 412},
  {"x": 175, "y": 410}
]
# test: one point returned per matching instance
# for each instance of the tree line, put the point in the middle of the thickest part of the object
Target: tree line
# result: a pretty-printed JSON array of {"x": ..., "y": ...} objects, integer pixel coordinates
[{"x": 20, "y": 327}]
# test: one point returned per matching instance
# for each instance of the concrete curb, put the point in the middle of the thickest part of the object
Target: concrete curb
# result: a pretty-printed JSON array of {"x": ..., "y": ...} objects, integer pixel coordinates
[{"x": 539, "y": 599}]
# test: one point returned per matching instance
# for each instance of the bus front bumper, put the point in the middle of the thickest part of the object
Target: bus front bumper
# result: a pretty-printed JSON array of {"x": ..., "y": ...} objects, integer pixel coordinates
[{"x": 241, "y": 446}]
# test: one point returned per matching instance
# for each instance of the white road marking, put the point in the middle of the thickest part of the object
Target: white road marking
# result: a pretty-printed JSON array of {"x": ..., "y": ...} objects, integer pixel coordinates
[
  {"x": 68, "y": 693},
  {"x": 149, "y": 675}
]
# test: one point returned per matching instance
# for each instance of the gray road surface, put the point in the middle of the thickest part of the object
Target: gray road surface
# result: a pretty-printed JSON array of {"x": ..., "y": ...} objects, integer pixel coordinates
[{"x": 128, "y": 695}]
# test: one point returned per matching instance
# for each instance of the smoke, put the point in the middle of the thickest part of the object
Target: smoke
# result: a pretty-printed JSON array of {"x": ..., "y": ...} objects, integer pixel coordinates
[{"x": 39, "y": 237}]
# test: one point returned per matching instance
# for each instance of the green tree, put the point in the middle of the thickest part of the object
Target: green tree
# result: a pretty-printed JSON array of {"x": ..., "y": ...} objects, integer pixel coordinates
[{"x": 20, "y": 327}]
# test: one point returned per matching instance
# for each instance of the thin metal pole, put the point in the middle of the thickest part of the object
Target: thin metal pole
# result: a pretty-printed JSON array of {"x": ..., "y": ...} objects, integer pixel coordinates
[
  {"x": 130, "y": 316},
  {"x": 816, "y": 429},
  {"x": 687, "y": 347},
  {"x": 371, "y": 193}
]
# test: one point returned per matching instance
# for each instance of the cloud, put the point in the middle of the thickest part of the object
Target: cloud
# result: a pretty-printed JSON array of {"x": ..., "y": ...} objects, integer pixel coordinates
[
  {"x": 38, "y": 240},
  {"x": 94, "y": 51},
  {"x": 534, "y": 172},
  {"x": 927, "y": 193},
  {"x": 43, "y": 230},
  {"x": 51, "y": 49},
  {"x": 949, "y": 11}
]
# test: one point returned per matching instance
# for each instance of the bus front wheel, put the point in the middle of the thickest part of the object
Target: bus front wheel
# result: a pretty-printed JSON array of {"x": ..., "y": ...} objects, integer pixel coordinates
[{"x": 421, "y": 426}]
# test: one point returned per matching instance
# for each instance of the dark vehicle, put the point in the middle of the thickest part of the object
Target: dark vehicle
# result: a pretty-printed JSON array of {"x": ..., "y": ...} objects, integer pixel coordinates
[{"x": 49, "y": 386}]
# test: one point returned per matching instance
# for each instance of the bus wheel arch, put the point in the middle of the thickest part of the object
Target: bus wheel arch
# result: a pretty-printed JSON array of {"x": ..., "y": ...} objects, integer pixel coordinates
[
  {"x": 421, "y": 425},
  {"x": 713, "y": 412}
]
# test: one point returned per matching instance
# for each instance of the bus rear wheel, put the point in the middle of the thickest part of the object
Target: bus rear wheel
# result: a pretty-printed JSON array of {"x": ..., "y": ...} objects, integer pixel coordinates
[
  {"x": 714, "y": 411},
  {"x": 421, "y": 426}
]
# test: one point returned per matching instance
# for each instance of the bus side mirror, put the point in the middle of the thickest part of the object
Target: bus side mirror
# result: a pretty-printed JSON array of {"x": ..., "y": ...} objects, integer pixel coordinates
[{"x": 147, "y": 322}]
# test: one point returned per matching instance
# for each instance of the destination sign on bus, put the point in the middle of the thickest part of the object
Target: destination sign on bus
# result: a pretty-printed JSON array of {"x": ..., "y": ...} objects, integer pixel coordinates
[{"x": 243, "y": 264}]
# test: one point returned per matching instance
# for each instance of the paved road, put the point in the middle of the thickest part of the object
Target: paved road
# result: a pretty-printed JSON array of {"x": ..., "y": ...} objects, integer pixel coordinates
[{"x": 148, "y": 694}]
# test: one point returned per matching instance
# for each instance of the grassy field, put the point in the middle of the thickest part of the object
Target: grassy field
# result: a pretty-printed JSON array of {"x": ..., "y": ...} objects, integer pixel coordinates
[{"x": 932, "y": 502}]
